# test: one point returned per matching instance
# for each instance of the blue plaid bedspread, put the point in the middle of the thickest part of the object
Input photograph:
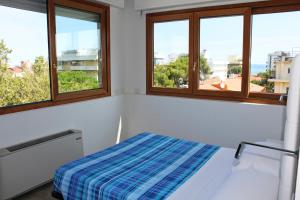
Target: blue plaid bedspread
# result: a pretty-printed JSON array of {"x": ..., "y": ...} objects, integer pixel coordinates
[{"x": 147, "y": 166}]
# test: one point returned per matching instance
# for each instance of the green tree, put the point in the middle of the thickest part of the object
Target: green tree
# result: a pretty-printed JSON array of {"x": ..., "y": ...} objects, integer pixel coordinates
[
  {"x": 172, "y": 75},
  {"x": 40, "y": 65},
  {"x": 205, "y": 68},
  {"x": 70, "y": 81},
  {"x": 175, "y": 74},
  {"x": 29, "y": 87},
  {"x": 4, "y": 52},
  {"x": 21, "y": 90},
  {"x": 265, "y": 76},
  {"x": 34, "y": 86},
  {"x": 235, "y": 69}
]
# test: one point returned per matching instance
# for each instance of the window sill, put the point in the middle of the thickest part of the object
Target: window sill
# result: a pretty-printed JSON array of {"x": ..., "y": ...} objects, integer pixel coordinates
[
  {"x": 50, "y": 103},
  {"x": 220, "y": 98}
]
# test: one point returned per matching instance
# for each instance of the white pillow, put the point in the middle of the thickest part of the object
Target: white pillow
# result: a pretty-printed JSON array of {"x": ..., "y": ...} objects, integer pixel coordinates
[
  {"x": 259, "y": 163},
  {"x": 260, "y": 159},
  {"x": 248, "y": 185}
]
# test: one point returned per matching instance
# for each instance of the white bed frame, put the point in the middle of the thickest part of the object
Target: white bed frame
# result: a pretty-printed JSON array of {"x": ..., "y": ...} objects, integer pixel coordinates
[{"x": 291, "y": 136}]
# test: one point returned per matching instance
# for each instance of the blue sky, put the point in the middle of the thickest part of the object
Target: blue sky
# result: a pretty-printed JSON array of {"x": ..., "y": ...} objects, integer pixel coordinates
[
  {"x": 166, "y": 42},
  {"x": 274, "y": 32},
  {"x": 75, "y": 34},
  {"x": 25, "y": 33},
  {"x": 223, "y": 36}
]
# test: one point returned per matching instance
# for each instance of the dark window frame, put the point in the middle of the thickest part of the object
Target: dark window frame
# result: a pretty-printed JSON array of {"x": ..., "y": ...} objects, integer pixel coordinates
[
  {"x": 60, "y": 99},
  {"x": 245, "y": 9}
]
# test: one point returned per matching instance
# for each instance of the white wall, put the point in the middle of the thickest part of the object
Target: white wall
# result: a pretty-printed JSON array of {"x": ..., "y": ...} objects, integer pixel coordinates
[
  {"x": 213, "y": 122},
  {"x": 217, "y": 122},
  {"x": 99, "y": 119}
]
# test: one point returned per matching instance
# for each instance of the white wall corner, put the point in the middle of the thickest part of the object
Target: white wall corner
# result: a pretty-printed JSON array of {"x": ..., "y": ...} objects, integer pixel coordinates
[{"x": 115, "y": 3}]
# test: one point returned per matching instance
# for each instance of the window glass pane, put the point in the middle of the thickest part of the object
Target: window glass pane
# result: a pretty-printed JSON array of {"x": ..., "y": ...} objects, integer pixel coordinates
[
  {"x": 78, "y": 46},
  {"x": 221, "y": 51},
  {"x": 275, "y": 42},
  {"x": 24, "y": 68},
  {"x": 171, "y": 54}
]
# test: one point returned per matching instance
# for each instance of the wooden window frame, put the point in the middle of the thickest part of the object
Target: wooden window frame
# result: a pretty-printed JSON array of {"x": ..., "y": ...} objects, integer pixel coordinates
[
  {"x": 245, "y": 9},
  {"x": 270, "y": 10},
  {"x": 150, "y": 51},
  {"x": 104, "y": 91},
  {"x": 246, "y": 14},
  {"x": 71, "y": 97}
]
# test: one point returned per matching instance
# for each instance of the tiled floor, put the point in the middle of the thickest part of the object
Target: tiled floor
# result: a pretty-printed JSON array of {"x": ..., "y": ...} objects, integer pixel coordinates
[{"x": 42, "y": 193}]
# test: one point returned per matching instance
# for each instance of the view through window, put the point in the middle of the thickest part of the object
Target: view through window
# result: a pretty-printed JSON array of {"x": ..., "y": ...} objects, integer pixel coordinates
[
  {"x": 239, "y": 52},
  {"x": 171, "y": 54},
  {"x": 221, "y": 52},
  {"x": 52, "y": 53},
  {"x": 78, "y": 46},
  {"x": 275, "y": 42},
  {"x": 24, "y": 66}
]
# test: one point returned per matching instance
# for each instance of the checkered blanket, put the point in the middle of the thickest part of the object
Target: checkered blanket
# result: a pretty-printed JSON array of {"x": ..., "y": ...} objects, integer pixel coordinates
[{"x": 147, "y": 166}]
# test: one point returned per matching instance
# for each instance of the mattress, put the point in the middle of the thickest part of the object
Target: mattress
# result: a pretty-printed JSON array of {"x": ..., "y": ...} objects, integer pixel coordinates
[
  {"x": 147, "y": 166},
  {"x": 205, "y": 183}
]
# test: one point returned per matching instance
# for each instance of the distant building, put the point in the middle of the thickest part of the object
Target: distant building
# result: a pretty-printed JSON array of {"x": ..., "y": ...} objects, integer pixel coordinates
[
  {"x": 274, "y": 57},
  {"x": 219, "y": 69},
  {"x": 158, "y": 59},
  {"x": 172, "y": 57},
  {"x": 295, "y": 51},
  {"x": 282, "y": 69},
  {"x": 231, "y": 84},
  {"x": 234, "y": 61},
  {"x": 80, "y": 60},
  {"x": 221, "y": 78},
  {"x": 19, "y": 71},
  {"x": 204, "y": 53}
]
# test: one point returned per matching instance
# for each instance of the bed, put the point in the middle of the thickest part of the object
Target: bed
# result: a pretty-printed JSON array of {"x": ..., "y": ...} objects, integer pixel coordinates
[{"x": 148, "y": 166}]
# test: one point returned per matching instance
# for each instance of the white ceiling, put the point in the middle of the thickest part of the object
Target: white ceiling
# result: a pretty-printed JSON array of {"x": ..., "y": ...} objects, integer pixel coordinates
[
  {"x": 169, "y": 4},
  {"x": 116, "y": 3},
  {"x": 162, "y": 4}
]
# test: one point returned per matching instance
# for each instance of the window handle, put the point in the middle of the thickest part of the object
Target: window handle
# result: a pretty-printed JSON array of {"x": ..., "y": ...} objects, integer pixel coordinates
[
  {"x": 194, "y": 67},
  {"x": 284, "y": 97}
]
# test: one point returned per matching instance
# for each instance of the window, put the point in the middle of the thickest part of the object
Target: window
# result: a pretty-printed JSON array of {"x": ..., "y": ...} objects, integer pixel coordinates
[
  {"x": 221, "y": 53},
  {"x": 171, "y": 54},
  {"x": 52, "y": 52},
  {"x": 274, "y": 45},
  {"x": 79, "y": 44},
  {"x": 24, "y": 63},
  {"x": 237, "y": 52},
  {"x": 78, "y": 50},
  {"x": 170, "y": 58}
]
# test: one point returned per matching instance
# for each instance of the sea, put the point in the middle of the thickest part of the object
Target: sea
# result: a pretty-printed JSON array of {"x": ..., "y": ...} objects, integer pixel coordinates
[{"x": 257, "y": 68}]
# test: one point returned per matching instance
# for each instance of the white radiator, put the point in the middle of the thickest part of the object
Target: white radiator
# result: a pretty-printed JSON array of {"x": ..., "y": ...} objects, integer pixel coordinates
[{"x": 28, "y": 165}]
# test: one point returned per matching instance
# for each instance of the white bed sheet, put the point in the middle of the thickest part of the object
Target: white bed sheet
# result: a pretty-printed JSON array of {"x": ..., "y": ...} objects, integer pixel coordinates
[
  {"x": 204, "y": 184},
  {"x": 249, "y": 184}
]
